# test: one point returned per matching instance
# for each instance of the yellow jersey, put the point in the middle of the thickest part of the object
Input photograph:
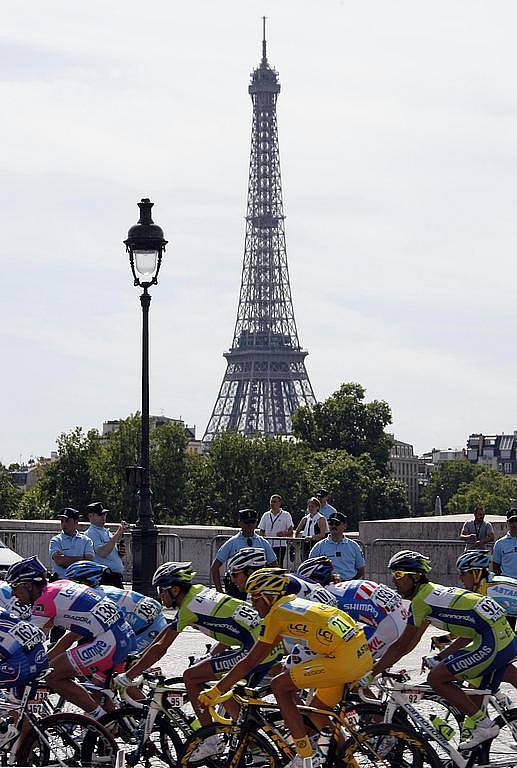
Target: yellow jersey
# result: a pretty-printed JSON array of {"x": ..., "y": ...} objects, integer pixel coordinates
[{"x": 321, "y": 628}]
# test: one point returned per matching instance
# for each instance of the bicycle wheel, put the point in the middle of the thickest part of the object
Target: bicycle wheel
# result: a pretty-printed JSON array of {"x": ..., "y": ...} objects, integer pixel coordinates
[
  {"x": 69, "y": 738},
  {"x": 163, "y": 746},
  {"x": 387, "y": 746},
  {"x": 240, "y": 748},
  {"x": 504, "y": 746}
]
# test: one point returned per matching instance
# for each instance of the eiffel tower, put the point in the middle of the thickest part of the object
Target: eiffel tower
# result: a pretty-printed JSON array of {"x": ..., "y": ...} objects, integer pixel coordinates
[{"x": 265, "y": 379}]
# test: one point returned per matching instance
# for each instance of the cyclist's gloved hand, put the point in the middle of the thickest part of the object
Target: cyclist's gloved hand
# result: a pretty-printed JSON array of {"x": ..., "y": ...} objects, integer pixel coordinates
[
  {"x": 122, "y": 681},
  {"x": 211, "y": 696},
  {"x": 430, "y": 662}
]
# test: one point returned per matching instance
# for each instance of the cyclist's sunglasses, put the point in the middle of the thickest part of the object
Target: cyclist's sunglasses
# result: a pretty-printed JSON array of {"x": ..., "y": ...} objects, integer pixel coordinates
[{"x": 400, "y": 574}]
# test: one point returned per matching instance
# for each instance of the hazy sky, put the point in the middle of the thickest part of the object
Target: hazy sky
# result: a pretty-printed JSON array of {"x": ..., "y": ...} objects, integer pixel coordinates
[{"x": 398, "y": 145}]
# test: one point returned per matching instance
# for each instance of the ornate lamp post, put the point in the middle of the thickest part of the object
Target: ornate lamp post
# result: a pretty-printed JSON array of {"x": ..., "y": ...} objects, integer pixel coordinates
[{"x": 145, "y": 245}]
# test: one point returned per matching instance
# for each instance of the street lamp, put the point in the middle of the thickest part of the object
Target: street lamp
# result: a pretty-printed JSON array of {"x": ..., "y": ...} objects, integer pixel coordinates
[{"x": 145, "y": 245}]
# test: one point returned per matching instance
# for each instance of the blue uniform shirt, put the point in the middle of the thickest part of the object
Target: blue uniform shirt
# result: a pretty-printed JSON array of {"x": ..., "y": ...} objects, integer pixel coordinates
[
  {"x": 78, "y": 545},
  {"x": 100, "y": 536},
  {"x": 346, "y": 556},
  {"x": 327, "y": 509},
  {"x": 237, "y": 542},
  {"x": 505, "y": 555}
]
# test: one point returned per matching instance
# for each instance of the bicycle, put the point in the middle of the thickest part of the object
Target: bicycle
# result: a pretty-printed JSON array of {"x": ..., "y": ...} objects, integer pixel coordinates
[
  {"x": 500, "y": 752},
  {"x": 62, "y": 739},
  {"x": 155, "y": 726},
  {"x": 258, "y": 737}
]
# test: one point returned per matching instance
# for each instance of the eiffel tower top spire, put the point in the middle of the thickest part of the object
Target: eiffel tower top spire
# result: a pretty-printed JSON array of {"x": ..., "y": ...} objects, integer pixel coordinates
[
  {"x": 266, "y": 379},
  {"x": 264, "y": 56}
]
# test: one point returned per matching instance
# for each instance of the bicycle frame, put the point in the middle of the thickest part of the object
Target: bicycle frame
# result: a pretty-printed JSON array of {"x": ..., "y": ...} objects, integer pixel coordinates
[{"x": 399, "y": 697}]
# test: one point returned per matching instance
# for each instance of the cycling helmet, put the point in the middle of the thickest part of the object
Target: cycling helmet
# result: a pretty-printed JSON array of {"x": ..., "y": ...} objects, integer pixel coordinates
[
  {"x": 413, "y": 562},
  {"x": 472, "y": 560},
  {"x": 317, "y": 568},
  {"x": 29, "y": 569},
  {"x": 86, "y": 572},
  {"x": 169, "y": 574},
  {"x": 268, "y": 581},
  {"x": 247, "y": 557}
]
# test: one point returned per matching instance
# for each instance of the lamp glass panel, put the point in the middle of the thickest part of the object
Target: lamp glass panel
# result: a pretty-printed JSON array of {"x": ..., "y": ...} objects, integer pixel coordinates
[{"x": 145, "y": 262}]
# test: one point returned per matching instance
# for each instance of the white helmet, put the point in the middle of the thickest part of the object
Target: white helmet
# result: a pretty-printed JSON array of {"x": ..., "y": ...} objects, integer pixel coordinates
[{"x": 247, "y": 557}]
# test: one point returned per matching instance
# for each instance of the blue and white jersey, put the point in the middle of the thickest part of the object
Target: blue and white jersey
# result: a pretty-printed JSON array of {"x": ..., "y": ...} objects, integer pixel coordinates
[
  {"x": 503, "y": 589},
  {"x": 302, "y": 586},
  {"x": 10, "y": 603},
  {"x": 139, "y": 610},
  {"x": 376, "y": 606},
  {"x": 18, "y": 636},
  {"x": 366, "y": 601}
]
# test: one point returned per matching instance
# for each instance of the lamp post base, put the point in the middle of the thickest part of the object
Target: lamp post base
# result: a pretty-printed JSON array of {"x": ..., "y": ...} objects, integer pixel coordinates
[{"x": 144, "y": 545}]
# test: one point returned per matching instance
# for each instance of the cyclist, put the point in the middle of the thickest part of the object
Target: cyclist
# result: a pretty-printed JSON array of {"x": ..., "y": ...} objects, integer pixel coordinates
[
  {"x": 473, "y": 567},
  {"x": 475, "y": 620},
  {"x": 8, "y": 602},
  {"x": 232, "y": 622},
  {"x": 143, "y": 614},
  {"x": 332, "y": 651},
  {"x": 104, "y": 637},
  {"x": 23, "y": 657},
  {"x": 377, "y": 607},
  {"x": 251, "y": 559}
]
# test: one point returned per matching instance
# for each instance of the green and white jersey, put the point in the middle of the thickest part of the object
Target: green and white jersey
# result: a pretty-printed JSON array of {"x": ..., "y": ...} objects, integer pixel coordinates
[
  {"x": 226, "y": 619},
  {"x": 463, "y": 613}
]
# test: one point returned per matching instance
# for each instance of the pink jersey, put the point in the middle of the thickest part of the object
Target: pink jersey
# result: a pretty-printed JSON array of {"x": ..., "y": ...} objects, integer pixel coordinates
[{"x": 78, "y": 608}]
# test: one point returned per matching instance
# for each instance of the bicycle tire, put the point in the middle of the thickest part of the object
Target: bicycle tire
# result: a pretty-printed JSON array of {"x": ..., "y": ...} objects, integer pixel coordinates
[
  {"x": 387, "y": 746},
  {"x": 71, "y": 738},
  {"x": 255, "y": 744},
  {"x": 165, "y": 743}
]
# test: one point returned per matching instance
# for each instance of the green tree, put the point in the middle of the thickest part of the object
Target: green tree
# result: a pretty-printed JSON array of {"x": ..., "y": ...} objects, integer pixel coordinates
[
  {"x": 34, "y": 505},
  {"x": 247, "y": 471},
  {"x": 446, "y": 481},
  {"x": 490, "y": 488},
  {"x": 167, "y": 444},
  {"x": 66, "y": 482},
  {"x": 345, "y": 422},
  {"x": 10, "y": 494},
  {"x": 358, "y": 487}
]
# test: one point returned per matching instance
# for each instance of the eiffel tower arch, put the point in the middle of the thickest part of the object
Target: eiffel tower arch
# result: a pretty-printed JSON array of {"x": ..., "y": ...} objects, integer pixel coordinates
[{"x": 266, "y": 379}]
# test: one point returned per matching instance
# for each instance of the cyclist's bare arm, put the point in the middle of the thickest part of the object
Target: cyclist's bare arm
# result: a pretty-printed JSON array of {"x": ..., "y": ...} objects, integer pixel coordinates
[
  {"x": 406, "y": 642},
  {"x": 257, "y": 654},
  {"x": 63, "y": 644},
  {"x": 154, "y": 653},
  {"x": 457, "y": 643}
]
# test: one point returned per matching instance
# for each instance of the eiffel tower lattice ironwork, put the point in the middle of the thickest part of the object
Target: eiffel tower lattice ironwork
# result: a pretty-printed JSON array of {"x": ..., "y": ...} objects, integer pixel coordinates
[{"x": 266, "y": 379}]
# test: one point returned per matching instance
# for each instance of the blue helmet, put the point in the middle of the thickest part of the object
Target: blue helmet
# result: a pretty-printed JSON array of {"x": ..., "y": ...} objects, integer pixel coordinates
[
  {"x": 317, "y": 568},
  {"x": 473, "y": 559},
  {"x": 86, "y": 572},
  {"x": 29, "y": 569}
]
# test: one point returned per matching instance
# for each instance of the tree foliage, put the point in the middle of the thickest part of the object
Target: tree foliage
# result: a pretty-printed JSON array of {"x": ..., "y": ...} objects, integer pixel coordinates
[
  {"x": 446, "y": 481},
  {"x": 345, "y": 422},
  {"x": 490, "y": 488},
  {"x": 341, "y": 445},
  {"x": 10, "y": 494}
]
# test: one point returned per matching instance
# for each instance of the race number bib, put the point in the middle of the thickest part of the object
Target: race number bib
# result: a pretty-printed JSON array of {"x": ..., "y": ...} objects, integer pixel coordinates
[
  {"x": 27, "y": 635},
  {"x": 488, "y": 609},
  {"x": 386, "y": 599},
  {"x": 147, "y": 611},
  {"x": 106, "y": 613},
  {"x": 246, "y": 615}
]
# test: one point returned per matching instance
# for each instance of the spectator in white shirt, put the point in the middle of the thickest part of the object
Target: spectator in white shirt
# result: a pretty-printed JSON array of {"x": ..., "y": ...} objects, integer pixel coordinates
[
  {"x": 313, "y": 526},
  {"x": 276, "y": 523}
]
